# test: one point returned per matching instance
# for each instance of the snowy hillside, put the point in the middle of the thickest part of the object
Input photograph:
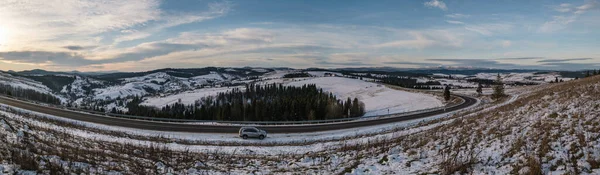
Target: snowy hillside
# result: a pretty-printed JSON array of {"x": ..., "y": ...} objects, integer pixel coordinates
[
  {"x": 188, "y": 97},
  {"x": 81, "y": 87},
  {"x": 157, "y": 84},
  {"x": 523, "y": 77},
  {"x": 547, "y": 129},
  {"x": 25, "y": 83},
  {"x": 553, "y": 129},
  {"x": 377, "y": 98}
]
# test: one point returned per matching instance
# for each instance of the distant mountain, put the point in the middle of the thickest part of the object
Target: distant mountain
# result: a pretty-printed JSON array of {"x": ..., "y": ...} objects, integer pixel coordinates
[
  {"x": 186, "y": 73},
  {"x": 40, "y": 72}
]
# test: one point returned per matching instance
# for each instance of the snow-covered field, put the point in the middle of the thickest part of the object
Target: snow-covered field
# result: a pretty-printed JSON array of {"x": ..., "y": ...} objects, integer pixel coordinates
[
  {"x": 295, "y": 147},
  {"x": 549, "y": 129},
  {"x": 378, "y": 99},
  {"x": 524, "y": 77},
  {"x": 187, "y": 98}
]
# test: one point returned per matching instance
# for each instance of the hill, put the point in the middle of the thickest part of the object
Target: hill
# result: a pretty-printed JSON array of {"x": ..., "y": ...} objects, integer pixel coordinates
[{"x": 549, "y": 129}]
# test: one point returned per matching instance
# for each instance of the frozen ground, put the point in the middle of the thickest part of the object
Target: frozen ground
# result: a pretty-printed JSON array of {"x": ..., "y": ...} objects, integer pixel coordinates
[{"x": 378, "y": 99}]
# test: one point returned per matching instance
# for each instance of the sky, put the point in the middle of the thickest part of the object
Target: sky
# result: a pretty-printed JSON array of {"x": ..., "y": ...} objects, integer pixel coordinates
[{"x": 140, "y": 35}]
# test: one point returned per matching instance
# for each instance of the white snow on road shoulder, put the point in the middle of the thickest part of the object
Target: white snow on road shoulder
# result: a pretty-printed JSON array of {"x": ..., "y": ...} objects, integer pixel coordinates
[{"x": 377, "y": 98}]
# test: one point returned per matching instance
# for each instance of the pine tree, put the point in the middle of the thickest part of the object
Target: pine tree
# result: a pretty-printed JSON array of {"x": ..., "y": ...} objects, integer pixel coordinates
[
  {"x": 498, "y": 88},
  {"x": 587, "y": 74},
  {"x": 355, "y": 108},
  {"x": 447, "y": 93},
  {"x": 479, "y": 89}
]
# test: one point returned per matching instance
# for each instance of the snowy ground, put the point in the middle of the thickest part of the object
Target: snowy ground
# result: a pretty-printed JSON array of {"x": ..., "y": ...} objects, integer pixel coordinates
[
  {"x": 188, "y": 97},
  {"x": 378, "y": 99},
  {"x": 550, "y": 129},
  {"x": 299, "y": 149},
  {"x": 524, "y": 77},
  {"x": 26, "y": 83}
]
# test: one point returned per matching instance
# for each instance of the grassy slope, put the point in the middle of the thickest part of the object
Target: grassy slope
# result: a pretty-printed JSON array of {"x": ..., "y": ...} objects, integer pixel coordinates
[{"x": 553, "y": 129}]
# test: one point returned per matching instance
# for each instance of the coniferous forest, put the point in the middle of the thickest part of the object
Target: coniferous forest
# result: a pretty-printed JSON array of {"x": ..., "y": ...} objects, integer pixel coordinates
[
  {"x": 259, "y": 103},
  {"x": 28, "y": 94}
]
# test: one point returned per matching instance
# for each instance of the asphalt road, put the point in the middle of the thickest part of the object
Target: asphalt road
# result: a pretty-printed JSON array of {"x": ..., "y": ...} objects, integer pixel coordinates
[{"x": 180, "y": 127}]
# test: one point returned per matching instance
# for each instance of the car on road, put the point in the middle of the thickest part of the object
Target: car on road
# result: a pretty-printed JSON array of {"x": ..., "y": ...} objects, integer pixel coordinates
[{"x": 252, "y": 132}]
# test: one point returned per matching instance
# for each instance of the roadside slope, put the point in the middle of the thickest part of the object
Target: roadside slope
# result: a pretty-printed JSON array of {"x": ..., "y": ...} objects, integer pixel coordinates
[{"x": 553, "y": 129}]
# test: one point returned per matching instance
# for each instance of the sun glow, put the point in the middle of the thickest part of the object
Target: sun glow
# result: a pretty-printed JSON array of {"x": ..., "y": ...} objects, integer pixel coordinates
[{"x": 3, "y": 36}]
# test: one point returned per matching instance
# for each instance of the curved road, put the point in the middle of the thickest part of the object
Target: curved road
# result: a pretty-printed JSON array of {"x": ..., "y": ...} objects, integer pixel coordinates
[{"x": 181, "y": 127}]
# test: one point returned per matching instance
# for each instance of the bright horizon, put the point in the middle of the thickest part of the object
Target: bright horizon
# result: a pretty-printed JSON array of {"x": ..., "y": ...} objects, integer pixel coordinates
[{"x": 141, "y": 35}]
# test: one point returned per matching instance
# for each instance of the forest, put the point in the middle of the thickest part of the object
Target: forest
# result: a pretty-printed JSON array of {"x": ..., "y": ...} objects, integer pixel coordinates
[
  {"x": 258, "y": 103},
  {"x": 409, "y": 83},
  {"x": 28, "y": 94}
]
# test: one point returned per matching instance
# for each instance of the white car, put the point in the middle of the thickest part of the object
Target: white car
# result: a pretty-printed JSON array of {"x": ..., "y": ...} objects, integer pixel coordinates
[{"x": 246, "y": 132}]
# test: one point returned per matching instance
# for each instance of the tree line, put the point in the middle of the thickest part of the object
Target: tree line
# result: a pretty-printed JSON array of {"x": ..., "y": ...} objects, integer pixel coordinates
[
  {"x": 258, "y": 103},
  {"x": 28, "y": 94},
  {"x": 297, "y": 75},
  {"x": 592, "y": 73},
  {"x": 410, "y": 83}
]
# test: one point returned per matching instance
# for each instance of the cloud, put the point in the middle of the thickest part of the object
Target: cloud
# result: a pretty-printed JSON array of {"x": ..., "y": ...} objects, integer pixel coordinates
[
  {"x": 570, "y": 15},
  {"x": 590, "y": 5},
  {"x": 74, "y": 47},
  {"x": 77, "y": 48},
  {"x": 489, "y": 29},
  {"x": 563, "y": 60},
  {"x": 343, "y": 63},
  {"x": 419, "y": 42},
  {"x": 421, "y": 64},
  {"x": 436, "y": 4},
  {"x": 138, "y": 53},
  {"x": 495, "y": 63},
  {"x": 520, "y": 58},
  {"x": 565, "y": 7},
  {"x": 454, "y": 22},
  {"x": 570, "y": 66},
  {"x": 215, "y": 10},
  {"x": 457, "y": 15},
  {"x": 425, "y": 39},
  {"x": 40, "y": 21},
  {"x": 482, "y": 31},
  {"x": 42, "y": 57},
  {"x": 506, "y": 43},
  {"x": 558, "y": 23}
]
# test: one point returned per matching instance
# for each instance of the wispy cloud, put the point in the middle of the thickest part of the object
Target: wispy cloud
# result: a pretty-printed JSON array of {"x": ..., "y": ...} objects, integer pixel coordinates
[
  {"x": 418, "y": 42},
  {"x": 78, "y": 48},
  {"x": 489, "y": 29},
  {"x": 563, "y": 60},
  {"x": 590, "y": 5},
  {"x": 170, "y": 20},
  {"x": 138, "y": 53},
  {"x": 569, "y": 14},
  {"x": 425, "y": 39},
  {"x": 36, "y": 22},
  {"x": 454, "y": 22},
  {"x": 457, "y": 15},
  {"x": 565, "y": 7},
  {"x": 436, "y": 4}
]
